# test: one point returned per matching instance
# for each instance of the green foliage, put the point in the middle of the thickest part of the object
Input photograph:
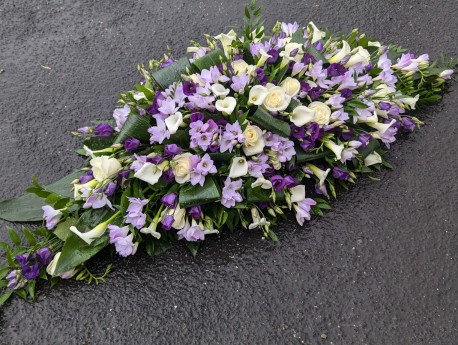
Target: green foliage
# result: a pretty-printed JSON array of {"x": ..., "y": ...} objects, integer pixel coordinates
[
  {"x": 263, "y": 118},
  {"x": 136, "y": 126},
  {"x": 166, "y": 76},
  {"x": 196, "y": 195}
]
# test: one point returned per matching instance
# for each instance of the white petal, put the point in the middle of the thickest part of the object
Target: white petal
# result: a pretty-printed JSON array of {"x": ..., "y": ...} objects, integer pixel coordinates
[
  {"x": 173, "y": 122},
  {"x": 239, "y": 167},
  {"x": 149, "y": 172},
  {"x": 302, "y": 115},
  {"x": 297, "y": 193}
]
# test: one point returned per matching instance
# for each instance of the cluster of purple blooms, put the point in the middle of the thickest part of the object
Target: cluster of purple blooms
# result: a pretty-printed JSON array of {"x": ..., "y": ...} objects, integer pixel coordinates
[{"x": 30, "y": 268}]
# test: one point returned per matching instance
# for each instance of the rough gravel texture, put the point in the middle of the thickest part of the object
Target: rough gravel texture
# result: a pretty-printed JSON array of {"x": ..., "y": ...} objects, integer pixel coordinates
[{"x": 381, "y": 268}]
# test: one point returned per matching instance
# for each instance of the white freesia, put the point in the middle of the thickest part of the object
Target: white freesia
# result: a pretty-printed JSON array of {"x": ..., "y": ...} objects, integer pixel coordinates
[
  {"x": 173, "y": 122},
  {"x": 410, "y": 102},
  {"x": 149, "y": 172},
  {"x": 344, "y": 51},
  {"x": 297, "y": 193},
  {"x": 226, "y": 40},
  {"x": 254, "y": 142},
  {"x": 239, "y": 167},
  {"x": 321, "y": 174},
  {"x": 359, "y": 54},
  {"x": 226, "y": 105},
  {"x": 139, "y": 95},
  {"x": 382, "y": 91},
  {"x": 262, "y": 182},
  {"x": 104, "y": 167},
  {"x": 322, "y": 112},
  {"x": 292, "y": 86},
  {"x": 263, "y": 58},
  {"x": 373, "y": 158},
  {"x": 151, "y": 230},
  {"x": 219, "y": 90},
  {"x": 182, "y": 167},
  {"x": 302, "y": 115},
  {"x": 315, "y": 33},
  {"x": 381, "y": 127},
  {"x": 258, "y": 94},
  {"x": 277, "y": 99},
  {"x": 337, "y": 149},
  {"x": 257, "y": 220}
]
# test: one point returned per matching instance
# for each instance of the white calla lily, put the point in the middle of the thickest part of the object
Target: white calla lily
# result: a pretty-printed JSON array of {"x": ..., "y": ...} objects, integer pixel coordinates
[
  {"x": 226, "y": 105},
  {"x": 315, "y": 33},
  {"x": 96, "y": 232},
  {"x": 226, "y": 40},
  {"x": 373, "y": 158},
  {"x": 321, "y": 174},
  {"x": 151, "y": 230},
  {"x": 219, "y": 90},
  {"x": 297, "y": 193},
  {"x": 337, "y": 149},
  {"x": 239, "y": 167},
  {"x": 263, "y": 58},
  {"x": 179, "y": 217},
  {"x": 381, "y": 127},
  {"x": 410, "y": 102},
  {"x": 302, "y": 115},
  {"x": 79, "y": 187},
  {"x": 257, "y": 220},
  {"x": 359, "y": 54},
  {"x": 173, "y": 122},
  {"x": 258, "y": 94},
  {"x": 344, "y": 51},
  {"x": 262, "y": 182},
  {"x": 104, "y": 167},
  {"x": 149, "y": 172}
]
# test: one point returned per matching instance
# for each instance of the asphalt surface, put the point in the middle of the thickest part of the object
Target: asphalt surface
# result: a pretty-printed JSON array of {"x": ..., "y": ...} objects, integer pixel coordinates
[{"x": 381, "y": 268}]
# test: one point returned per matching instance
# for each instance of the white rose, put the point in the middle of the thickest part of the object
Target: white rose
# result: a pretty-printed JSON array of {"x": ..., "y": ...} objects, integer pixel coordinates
[
  {"x": 226, "y": 105},
  {"x": 302, "y": 115},
  {"x": 239, "y": 66},
  {"x": 254, "y": 142},
  {"x": 239, "y": 167},
  {"x": 291, "y": 86},
  {"x": 182, "y": 167},
  {"x": 277, "y": 99},
  {"x": 297, "y": 193},
  {"x": 359, "y": 55},
  {"x": 104, "y": 167},
  {"x": 322, "y": 112},
  {"x": 258, "y": 94}
]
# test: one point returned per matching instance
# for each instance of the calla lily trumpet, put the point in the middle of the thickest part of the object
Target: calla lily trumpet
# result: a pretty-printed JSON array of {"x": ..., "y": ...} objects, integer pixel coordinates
[
  {"x": 239, "y": 167},
  {"x": 96, "y": 232},
  {"x": 337, "y": 149},
  {"x": 321, "y": 174},
  {"x": 344, "y": 51},
  {"x": 381, "y": 127}
]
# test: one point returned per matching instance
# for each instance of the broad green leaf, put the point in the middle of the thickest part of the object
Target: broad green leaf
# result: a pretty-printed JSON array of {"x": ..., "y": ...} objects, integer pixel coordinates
[
  {"x": 63, "y": 229},
  {"x": 29, "y": 236},
  {"x": 302, "y": 156},
  {"x": 197, "y": 195},
  {"x": 193, "y": 247},
  {"x": 298, "y": 36},
  {"x": 4, "y": 271},
  {"x": 373, "y": 145},
  {"x": 136, "y": 126},
  {"x": 214, "y": 58},
  {"x": 221, "y": 156},
  {"x": 263, "y": 118},
  {"x": 155, "y": 246},
  {"x": 316, "y": 54},
  {"x": 98, "y": 143},
  {"x": 13, "y": 236},
  {"x": 75, "y": 251},
  {"x": 293, "y": 104},
  {"x": 166, "y": 76},
  {"x": 5, "y": 297}
]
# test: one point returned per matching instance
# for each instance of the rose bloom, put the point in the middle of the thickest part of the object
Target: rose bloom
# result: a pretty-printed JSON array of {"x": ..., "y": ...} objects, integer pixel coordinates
[
  {"x": 322, "y": 113},
  {"x": 254, "y": 142},
  {"x": 291, "y": 86},
  {"x": 104, "y": 167},
  {"x": 277, "y": 99},
  {"x": 182, "y": 167}
]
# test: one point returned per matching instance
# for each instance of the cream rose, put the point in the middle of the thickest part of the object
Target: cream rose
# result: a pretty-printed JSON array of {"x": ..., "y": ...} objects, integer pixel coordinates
[
  {"x": 254, "y": 142},
  {"x": 182, "y": 167},
  {"x": 104, "y": 167},
  {"x": 322, "y": 112},
  {"x": 277, "y": 99},
  {"x": 291, "y": 86}
]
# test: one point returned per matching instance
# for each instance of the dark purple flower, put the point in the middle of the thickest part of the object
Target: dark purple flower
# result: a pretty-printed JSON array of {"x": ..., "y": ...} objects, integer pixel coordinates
[
  {"x": 214, "y": 147},
  {"x": 319, "y": 46},
  {"x": 384, "y": 105},
  {"x": 305, "y": 87},
  {"x": 396, "y": 124},
  {"x": 195, "y": 211},
  {"x": 196, "y": 116},
  {"x": 131, "y": 144},
  {"x": 103, "y": 130},
  {"x": 408, "y": 124},
  {"x": 274, "y": 56},
  {"x": 340, "y": 174},
  {"x": 169, "y": 200},
  {"x": 346, "y": 136},
  {"x": 262, "y": 79},
  {"x": 315, "y": 93},
  {"x": 189, "y": 88},
  {"x": 110, "y": 189},
  {"x": 86, "y": 178},
  {"x": 31, "y": 272},
  {"x": 122, "y": 178},
  {"x": 158, "y": 159},
  {"x": 44, "y": 255},
  {"x": 306, "y": 145},
  {"x": 314, "y": 131},
  {"x": 336, "y": 69},
  {"x": 154, "y": 108},
  {"x": 22, "y": 259},
  {"x": 172, "y": 150},
  {"x": 297, "y": 132},
  {"x": 321, "y": 189},
  {"x": 293, "y": 52},
  {"x": 167, "y": 62},
  {"x": 364, "y": 138},
  {"x": 277, "y": 182},
  {"x": 290, "y": 181},
  {"x": 346, "y": 93},
  {"x": 307, "y": 58},
  {"x": 368, "y": 67},
  {"x": 263, "y": 205},
  {"x": 168, "y": 175},
  {"x": 167, "y": 222}
]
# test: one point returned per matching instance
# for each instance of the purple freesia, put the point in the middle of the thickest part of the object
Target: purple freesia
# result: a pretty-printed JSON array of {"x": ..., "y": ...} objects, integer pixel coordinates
[
  {"x": 229, "y": 194},
  {"x": 51, "y": 216},
  {"x": 192, "y": 233},
  {"x": 340, "y": 174},
  {"x": 131, "y": 144},
  {"x": 169, "y": 200},
  {"x": 103, "y": 130},
  {"x": 204, "y": 167},
  {"x": 135, "y": 215},
  {"x": 123, "y": 242},
  {"x": 44, "y": 256}
]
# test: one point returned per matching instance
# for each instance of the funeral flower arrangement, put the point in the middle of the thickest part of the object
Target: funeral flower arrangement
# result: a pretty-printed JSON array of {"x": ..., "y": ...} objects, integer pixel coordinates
[{"x": 243, "y": 129}]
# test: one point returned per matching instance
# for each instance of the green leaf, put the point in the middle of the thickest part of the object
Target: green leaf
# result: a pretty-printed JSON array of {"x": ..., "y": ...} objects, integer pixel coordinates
[
  {"x": 75, "y": 251},
  {"x": 263, "y": 118},
  {"x": 302, "y": 156},
  {"x": 298, "y": 36},
  {"x": 316, "y": 54},
  {"x": 31, "y": 289},
  {"x": 4, "y": 271},
  {"x": 292, "y": 105},
  {"x": 214, "y": 58},
  {"x": 5, "y": 297},
  {"x": 193, "y": 247},
  {"x": 27, "y": 208},
  {"x": 155, "y": 246},
  {"x": 273, "y": 236},
  {"x": 136, "y": 126},
  {"x": 166, "y": 76},
  {"x": 373, "y": 145},
  {"x": 13, "y": 236},
  {"x": 197, "y": 195},
  {"x": 63, "y": 229},
  {"x": 98, "y": 143},
  {"x": 29, "y": 236}
]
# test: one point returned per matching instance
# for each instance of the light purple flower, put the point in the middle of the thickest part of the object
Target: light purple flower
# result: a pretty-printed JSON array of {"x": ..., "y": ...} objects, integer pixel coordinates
[
  {"x": 204, "y": 167},
  {"x": 84, "y": 130},
  {"x": 192, "y": 233},
  {"x": 258, "y": 167},
  {"x": 167, "y": 106},
  {"x": 303, "y": 210},
  {"x": 97, "y": 200},
  {"x": 239, "y": 83},
  {"x": 289, "y": 29},
  {"x": 131, "y": 144},
  {"x": 159, "y": 132},
  {"x": 389, "y": 136},
  {"x": 169, "y": 200},
  {"x": 51, "y": 216},
  {"x": 135, "y": 215},
  {"x": 167, "y": 222},
  {"x": 123, "y": 242},
  {"x": 232, "y": 135},
  {"x": 120, "y": 115},
  {"x": 202, "y": 134},
  {"x": 230, "y": 195}
]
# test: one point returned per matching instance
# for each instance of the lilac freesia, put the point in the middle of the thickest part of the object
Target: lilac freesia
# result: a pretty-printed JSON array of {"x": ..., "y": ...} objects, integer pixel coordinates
[
  {"x": 204, "y": 167},
  {"x": 135, "y": 215},
  {"x": 192, "y": 233},
  {"x": 230, "y": 196},
  {"x": 51, "y": 216},
  {"x": 120, "y": 115},
  {"x": 232, "y": 136},
  {"x": 303, "y": 209},
  {"x": 159, "y": 132},
  {"x": 123, "y": 242}
]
